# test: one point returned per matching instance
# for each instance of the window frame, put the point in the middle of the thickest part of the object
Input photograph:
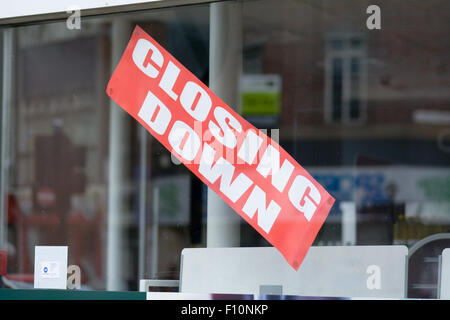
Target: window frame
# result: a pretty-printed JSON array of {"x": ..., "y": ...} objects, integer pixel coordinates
[{"x": 127, "y": 6}]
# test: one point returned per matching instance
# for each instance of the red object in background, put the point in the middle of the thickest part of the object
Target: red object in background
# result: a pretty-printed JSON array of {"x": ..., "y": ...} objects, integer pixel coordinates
[
  {"x": 3, "y": 262},
  {"x": 45, "y": 197},
  {"x": 12, "y": 208},
  {"x": 288, "y": 208}
]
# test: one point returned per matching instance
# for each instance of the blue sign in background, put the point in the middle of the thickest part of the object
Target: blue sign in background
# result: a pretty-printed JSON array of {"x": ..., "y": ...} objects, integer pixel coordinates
[{"x": 364, "y": 188}]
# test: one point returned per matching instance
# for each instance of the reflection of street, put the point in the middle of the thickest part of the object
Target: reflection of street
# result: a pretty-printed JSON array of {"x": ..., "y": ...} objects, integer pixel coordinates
[
  {"x": 53, "y": 219},
  {"x": 394, "y": 204},
  {"x": 379, "y": 185},
  {"x": 333, "y": 89},
  {"x": 84, "y": 238}
]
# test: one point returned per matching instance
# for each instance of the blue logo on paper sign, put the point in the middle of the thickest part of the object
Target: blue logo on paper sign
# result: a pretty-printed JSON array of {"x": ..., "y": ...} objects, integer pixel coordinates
[{"x": 45, "y": 269}]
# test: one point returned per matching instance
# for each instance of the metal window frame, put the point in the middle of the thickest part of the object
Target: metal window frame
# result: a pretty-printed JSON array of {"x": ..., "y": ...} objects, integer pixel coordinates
[{"x": 128, "y": 7}]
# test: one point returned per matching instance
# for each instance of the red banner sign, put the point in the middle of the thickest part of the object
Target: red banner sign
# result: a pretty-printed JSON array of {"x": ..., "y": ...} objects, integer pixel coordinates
[{"x": 250, "y": 171}]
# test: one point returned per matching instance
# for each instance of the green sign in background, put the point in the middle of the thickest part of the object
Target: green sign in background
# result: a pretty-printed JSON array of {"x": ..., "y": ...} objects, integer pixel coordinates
[{"x": 261, "y": 103}]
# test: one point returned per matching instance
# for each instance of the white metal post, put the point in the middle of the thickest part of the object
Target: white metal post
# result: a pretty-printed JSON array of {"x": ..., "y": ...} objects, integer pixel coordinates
[
  {"x": 155, "y": 235},
  {"x": 8, "y": 82},
  {"x": 225, "y": 67},
  {"x": 348, "y": 209},
  {"x": 118, "y": 132},
  {"x": 142, "y": 201}
]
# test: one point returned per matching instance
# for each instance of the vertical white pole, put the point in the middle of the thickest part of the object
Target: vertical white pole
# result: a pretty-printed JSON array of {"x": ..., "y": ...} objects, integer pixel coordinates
[
  {"x": 7, "y": 103},
  {"x": 348, "y": 209},
  {"x": 225, "y": 67},
  {"x": 155, "y": 235},
  {"x": 142, "y": 201},
  {"x": 118, "y": 131}
]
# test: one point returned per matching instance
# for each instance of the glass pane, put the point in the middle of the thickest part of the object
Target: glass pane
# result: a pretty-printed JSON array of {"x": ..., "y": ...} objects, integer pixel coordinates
[
  {"x": 392, "y": 167},
  {"x": 365, "y": 111},
  {"x": 60, "y": 190}
]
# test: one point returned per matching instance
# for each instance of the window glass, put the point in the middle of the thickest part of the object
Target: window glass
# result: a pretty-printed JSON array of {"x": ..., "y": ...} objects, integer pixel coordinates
[
  {"x": 58, "y": 185},
  {"x": 364, "y": 109}
]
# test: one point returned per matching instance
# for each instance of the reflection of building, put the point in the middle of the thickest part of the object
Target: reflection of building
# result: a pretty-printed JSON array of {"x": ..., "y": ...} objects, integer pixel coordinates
[
  {"x": 405, "y": 70},
  {"x": 366, "y": 112},
  {"x": 354, "y": 98},
  {"x": 62, "y": 106},
  {"x": 60, "y": 149}
]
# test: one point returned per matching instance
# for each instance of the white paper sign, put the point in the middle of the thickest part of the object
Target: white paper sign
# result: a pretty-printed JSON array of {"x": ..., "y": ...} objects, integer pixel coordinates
[{"x": 50, "y": 267}]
